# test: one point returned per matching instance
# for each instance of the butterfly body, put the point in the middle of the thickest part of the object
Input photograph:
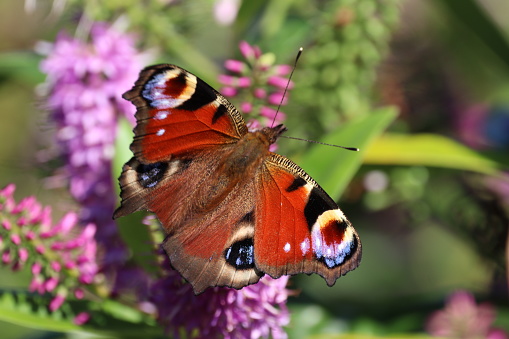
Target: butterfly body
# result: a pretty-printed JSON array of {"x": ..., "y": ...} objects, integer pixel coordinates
[{"x": 232, "y": 210}]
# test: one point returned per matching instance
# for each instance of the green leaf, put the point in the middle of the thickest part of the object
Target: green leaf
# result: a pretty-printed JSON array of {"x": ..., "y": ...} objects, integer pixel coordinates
[
  {"x": 31, "y": 311},
  {"x": 427, "y": 150},
  {"x": 108, "y": 317},
  {"x": 333, "y": 168}
]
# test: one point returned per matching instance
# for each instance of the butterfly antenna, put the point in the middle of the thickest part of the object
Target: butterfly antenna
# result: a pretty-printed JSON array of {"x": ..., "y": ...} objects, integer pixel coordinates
[
  {"x": 287, "y": 84},
  {"x": 322, "y": 143}
]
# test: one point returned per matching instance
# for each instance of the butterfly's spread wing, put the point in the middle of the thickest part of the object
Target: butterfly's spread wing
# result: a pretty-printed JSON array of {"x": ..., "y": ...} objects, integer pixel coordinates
[
  {"x": 178, "y": 113},
  {"x": 208, "y": 246},
  {"x": 178, "y": 118},
  {"x": 299, "y": 228}
]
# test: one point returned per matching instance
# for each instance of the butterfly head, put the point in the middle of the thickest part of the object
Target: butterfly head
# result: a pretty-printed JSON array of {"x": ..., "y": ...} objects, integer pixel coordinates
[{"x": 273, "y": 133}]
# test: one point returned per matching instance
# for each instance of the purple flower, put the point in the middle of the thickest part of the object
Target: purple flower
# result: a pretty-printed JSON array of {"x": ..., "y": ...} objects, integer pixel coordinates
[
  {"x": 463, "y": 318},
  {"x": 86, "y": 80},
  {"x": 256, "y": 311},
  {"x": 258, "y": 83}
]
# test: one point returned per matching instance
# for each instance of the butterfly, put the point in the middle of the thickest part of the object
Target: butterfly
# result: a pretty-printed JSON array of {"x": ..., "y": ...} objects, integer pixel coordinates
[{"x": 232, "y": 210}]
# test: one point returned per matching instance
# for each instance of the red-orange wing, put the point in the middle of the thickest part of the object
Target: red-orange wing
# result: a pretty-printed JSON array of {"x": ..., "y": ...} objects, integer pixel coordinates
[
  {"x": 298, "y": 227},
  {"x": 178, "y": 113}
]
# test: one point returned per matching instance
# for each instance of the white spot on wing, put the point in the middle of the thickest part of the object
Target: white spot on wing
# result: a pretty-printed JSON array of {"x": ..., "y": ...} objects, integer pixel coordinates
[
  {"x": 304, "y": 246},
  {"x": 287, "y": 247},
  {"x": 160, "y": 132},
  {"x": 161, "y": 115}
]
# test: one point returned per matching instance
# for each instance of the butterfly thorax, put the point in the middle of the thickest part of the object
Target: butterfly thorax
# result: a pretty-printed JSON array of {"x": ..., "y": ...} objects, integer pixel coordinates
[
  {"x": 238, "y": 162},
  {"x": 247, "y": 155}
]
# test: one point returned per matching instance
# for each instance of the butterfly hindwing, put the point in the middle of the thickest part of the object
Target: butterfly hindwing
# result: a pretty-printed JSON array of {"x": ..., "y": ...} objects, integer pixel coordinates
[{"x": 299, "y": 228}]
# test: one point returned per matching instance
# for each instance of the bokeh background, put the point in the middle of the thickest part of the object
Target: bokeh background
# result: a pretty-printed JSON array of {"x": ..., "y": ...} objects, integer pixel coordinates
[{"x": 429, "y": 196}]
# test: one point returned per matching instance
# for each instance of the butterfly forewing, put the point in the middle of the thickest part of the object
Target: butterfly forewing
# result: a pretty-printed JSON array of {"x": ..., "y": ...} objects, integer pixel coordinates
[{"x": 178, "y": 113}]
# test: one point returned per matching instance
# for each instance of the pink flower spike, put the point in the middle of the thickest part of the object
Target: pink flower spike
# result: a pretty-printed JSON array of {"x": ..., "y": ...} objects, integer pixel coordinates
[
  {"x": 279, "y": 82},
  {"x": 86, "y": 278},
  {"x": 268, "y": 112},
  {"x": 55, "y": 266},
  {"x": 45, "y": 218},
  {"x": 283, "y": 70},
  {"x": 6, "y": 224},
  {"x": 244, "y": 82},
  {"x": 16, "y": 239},
  {"x": 247, "y": 50},
  {"x": 51, "y": 284},
  {"x": 260, "y": 93},
  {"x": 6, "y": 256},
  {"x": 37, "y": 285},
  {"x": 497, "y": 334},
  {"x": 226, "y": 80},
  {"x": 81, "y": 318},
  {"x": 56, "y": 302},
  {"x": 8, "y": 191},
  {"x": 36, "y": 268},
  {"x": 40, "y": 249},
  {"x": 30, "y": 235},
  {"x": 257, "y": 52},
  {"x": 229, "y": 91},
  {"x": 24, "y": 204},
  {"x": 277, "y": 98},
  {"x": 22, "y": 221},
  {"x": 23, "y": 254},
  {"x": 79, "y": 294},
  {"x": 235, "y": 66},
  {"x": 462, "y": 317},
  {"x": 89, "y": 232},
  {"x": 67, "y": 222},
  {"x": 246, "y": 107},
  {"x": 70, "y": 265}
]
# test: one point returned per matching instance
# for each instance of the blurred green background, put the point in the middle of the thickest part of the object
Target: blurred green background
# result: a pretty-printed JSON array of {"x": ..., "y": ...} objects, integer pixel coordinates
[{"x": 430, "y": 201}]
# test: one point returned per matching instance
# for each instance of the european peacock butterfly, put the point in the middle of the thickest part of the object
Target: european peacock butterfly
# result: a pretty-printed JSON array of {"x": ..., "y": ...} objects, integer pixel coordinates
[{"x": 231, "y": 209}]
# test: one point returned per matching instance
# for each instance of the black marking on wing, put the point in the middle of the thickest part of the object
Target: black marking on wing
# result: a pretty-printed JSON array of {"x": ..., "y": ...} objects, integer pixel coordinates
[
  {"x": 318, "y": 203},
  {"x": 203, "y": 94},
  {"x": 150, "y": 175},
  {"x": 220, "y": 111},
  {"x": 248, "y": 217},
  {"x": 296, "y": 184},
  {"x": 240, "y": 254}
]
